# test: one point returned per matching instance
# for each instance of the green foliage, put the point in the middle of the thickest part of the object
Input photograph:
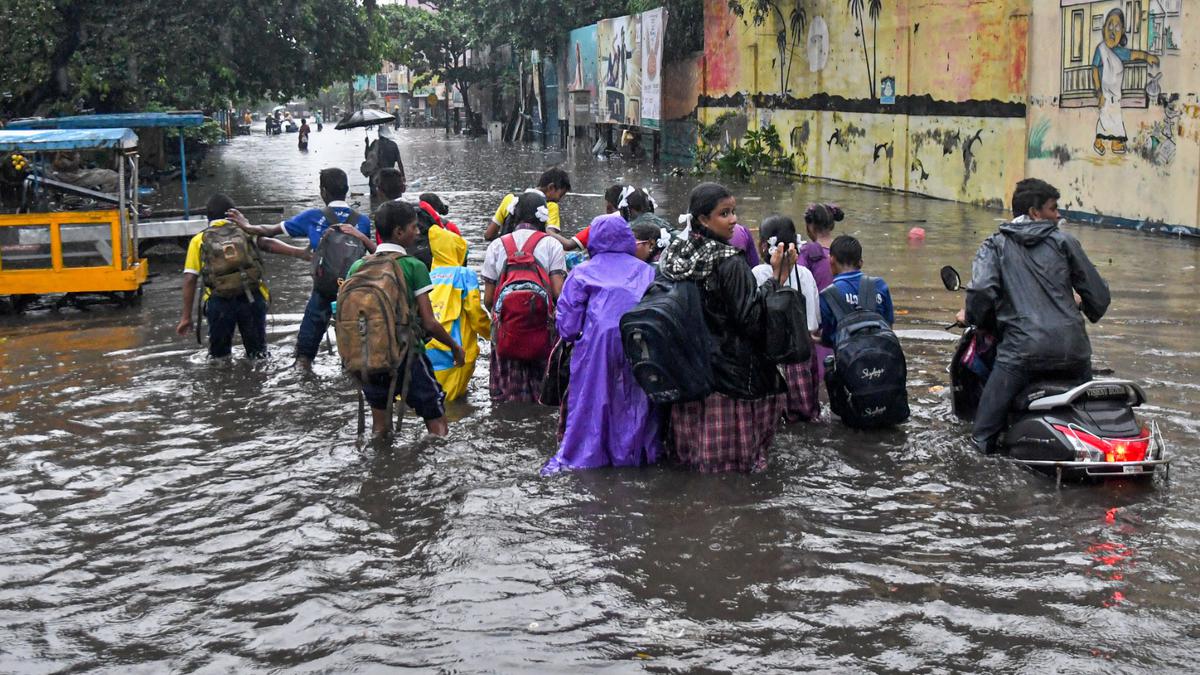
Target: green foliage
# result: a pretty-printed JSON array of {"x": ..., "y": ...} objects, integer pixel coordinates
[
  {"x": 70, "y": 55},
  {"x": 209, "y": 133},
  {"x": 760, "y": 150}
]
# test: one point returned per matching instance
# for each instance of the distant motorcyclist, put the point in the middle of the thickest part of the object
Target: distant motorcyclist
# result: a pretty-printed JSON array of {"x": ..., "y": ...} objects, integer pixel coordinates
[{"x": 1029, "y": 282}]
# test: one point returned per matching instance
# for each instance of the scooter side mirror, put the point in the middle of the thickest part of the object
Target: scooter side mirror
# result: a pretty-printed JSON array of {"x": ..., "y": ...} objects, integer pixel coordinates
[{"x": 950, "y": 278}]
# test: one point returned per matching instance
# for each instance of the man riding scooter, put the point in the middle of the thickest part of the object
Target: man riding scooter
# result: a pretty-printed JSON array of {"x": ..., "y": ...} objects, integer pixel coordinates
[{"x": 1029, "y": 282}]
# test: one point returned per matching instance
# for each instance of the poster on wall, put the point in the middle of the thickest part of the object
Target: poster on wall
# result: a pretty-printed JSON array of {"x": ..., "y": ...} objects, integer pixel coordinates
[
  {"x": 581, "y": 66},
  {"x": 654, "y": 24},
  {"x": 619, "y": 74}
]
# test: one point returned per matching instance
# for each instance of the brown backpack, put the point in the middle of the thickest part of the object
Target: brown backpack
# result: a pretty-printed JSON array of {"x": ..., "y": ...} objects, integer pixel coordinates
[
  {"x": 374, "y": 319},
  {"x": 230, "y": 261}
]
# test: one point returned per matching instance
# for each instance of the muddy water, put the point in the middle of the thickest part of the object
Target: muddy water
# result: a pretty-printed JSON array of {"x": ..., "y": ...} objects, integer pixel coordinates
[{"x": 161, "y": 513}]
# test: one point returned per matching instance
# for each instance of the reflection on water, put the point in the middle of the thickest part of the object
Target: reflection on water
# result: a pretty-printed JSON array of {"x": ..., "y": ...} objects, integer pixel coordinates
[{"x": 164, "y": 513}]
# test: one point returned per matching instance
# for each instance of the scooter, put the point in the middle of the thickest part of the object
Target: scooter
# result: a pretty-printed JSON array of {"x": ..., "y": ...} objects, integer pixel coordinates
[{"x": 1071, "y": 430}]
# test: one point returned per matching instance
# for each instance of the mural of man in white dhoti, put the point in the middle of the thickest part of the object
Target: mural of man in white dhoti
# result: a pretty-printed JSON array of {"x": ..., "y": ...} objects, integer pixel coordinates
[{"x": 1108, "y": 73}]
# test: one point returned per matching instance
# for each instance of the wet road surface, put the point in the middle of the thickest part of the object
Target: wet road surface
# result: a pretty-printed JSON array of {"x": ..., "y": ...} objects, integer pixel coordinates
[{"x": 162, "y": 513}]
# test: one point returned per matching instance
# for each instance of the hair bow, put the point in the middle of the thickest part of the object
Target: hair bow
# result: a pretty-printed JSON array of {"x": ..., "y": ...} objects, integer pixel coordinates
[
  {"x": 625, "y": 192},
  {"x": 664, "y": 238},
  {"x": 772, "y": 245},
  {"x": 543, "y": 213}
]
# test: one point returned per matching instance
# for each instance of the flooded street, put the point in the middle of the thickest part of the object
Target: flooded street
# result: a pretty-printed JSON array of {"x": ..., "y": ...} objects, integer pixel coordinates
[{"x": 161, "y": 513}]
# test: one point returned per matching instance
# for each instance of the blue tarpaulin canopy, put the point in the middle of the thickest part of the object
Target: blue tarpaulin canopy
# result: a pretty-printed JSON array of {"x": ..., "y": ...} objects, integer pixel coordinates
[
  {"x": 114, "y": 120},
  {"x": 53, "y": 140}
]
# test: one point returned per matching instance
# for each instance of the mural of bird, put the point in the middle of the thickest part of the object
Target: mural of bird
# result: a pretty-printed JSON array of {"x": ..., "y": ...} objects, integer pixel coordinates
[
  {"x": 878, "y": 149},
  {"x": 835, "y": 138},
  {"x": 950, "y": 142},
  {"x": 918, "y": 166},
  {"x": 968, "y": 154}
]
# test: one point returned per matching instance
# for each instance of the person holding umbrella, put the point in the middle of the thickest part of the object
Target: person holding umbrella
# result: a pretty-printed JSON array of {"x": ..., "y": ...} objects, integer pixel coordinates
[{"x": 382, "y": 153}]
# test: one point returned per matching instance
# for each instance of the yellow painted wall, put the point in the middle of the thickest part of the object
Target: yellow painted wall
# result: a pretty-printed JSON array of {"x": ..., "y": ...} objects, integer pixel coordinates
[
  {"x": 1156, "y": 178},
  {"x": 987, "y": 93},
  {"x": 968, "y": 56}
]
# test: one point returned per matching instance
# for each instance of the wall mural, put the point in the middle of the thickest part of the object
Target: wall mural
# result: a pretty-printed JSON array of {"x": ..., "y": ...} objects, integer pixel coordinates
[
  {"x": 1126, "y": 41},
  {"x": 789, "y": 32},
  {"x": 873, "y": 9}
]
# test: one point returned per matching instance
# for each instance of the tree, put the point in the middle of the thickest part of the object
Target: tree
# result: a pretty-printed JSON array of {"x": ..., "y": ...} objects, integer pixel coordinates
[
  {"x": 874, "y": 8},
  {"x": 788, "y": 35},
  {"x": 440, "y": 45},
  {"x": 69, "y": 55}
]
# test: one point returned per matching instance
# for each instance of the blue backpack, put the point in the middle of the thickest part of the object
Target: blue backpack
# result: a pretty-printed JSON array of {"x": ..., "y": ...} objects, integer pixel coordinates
[{"x": 868, "y": 385}]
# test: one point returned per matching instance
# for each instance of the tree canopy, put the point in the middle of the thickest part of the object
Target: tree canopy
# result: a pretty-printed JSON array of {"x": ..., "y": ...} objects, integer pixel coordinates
[{"x": 71, "y": 55}]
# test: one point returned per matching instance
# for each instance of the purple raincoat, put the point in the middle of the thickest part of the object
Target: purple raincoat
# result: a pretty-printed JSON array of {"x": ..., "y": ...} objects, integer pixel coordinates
[
  {"x": 609, "y": 419},
  {"x": 742, "y": 239}
]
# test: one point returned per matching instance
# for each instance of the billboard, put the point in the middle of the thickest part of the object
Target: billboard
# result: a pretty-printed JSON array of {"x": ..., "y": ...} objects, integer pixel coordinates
[
  {"x": 653, "y": 27},
  {"x": 581, "y": 66},
  {"x": 619, "y": 73}
]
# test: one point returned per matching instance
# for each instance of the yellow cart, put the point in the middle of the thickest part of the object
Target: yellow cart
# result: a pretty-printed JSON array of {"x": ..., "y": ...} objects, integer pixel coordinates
[{"x": 69, "y": 252}]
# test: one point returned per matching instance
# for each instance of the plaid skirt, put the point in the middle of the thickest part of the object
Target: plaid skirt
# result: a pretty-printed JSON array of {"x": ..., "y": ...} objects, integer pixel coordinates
[
  {"x": 512, "y": 381},
  {"x": 723, "y": 434},
  {"x": 801, "y": 402}
]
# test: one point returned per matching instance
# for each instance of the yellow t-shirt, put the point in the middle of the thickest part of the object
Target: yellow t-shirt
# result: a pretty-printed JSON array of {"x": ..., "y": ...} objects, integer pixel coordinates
[
  {"x": 193, "y": 263},
  {"x": 552, "y": 207}
]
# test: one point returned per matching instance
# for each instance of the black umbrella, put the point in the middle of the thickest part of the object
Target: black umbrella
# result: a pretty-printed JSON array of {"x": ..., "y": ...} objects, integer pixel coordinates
[{"x": 364, "y": 118}]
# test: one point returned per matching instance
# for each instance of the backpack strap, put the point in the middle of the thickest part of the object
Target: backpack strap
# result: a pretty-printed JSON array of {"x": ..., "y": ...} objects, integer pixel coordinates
[
  {"x": 866, "y": 293},
  {"x": 532, "y": 242},
  {"x": 332, "y": 218},
  {"x": 837, "y": 301}
]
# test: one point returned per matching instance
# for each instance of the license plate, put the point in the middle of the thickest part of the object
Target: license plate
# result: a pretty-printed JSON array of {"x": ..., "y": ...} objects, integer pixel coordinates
[{"x": 1132, "y": 469}]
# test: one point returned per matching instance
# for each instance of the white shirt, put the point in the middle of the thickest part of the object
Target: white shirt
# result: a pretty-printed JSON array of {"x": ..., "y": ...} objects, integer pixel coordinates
[
  {"x": 548, "y": 252},
  {"x": 801, "y": 280}
]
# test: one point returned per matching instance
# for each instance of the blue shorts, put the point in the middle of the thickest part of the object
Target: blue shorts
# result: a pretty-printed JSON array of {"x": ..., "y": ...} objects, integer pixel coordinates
[{"x": 425, "y": 395}]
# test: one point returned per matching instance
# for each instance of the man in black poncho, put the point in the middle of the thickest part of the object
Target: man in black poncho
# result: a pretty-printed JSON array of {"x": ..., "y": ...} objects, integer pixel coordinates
[{"x": 1029, "y": 282}]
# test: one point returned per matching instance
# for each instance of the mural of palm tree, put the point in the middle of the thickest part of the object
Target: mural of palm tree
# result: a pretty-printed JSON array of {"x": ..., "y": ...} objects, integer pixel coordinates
[
  {"x": 873, "y": 9},
  {"x": 790, "y": 30}
]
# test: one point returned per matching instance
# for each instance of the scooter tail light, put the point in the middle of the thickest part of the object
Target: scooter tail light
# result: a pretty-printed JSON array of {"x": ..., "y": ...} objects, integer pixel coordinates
[{"x": 1091, "y": 448}]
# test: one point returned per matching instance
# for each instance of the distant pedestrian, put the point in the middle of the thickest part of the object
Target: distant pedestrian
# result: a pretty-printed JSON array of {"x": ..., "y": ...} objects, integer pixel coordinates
[
  {"x": 302, "y": 138},
  {"x": 382, "y": 153}
]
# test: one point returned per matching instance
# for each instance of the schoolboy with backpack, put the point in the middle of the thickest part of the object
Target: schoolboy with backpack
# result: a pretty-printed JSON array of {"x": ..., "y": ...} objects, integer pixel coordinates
[
  {"x": 338, "y": 235},
  {"x": 523, "y": 274},
  {"x": 227, "y": 261},
  {"x": 867, "y": 375},
  {"x": 383, "y": 319}
]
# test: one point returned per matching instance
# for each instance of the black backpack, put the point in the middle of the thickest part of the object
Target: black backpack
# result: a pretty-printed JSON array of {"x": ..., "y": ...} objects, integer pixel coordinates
[
  {"x": 788, "y": 339},
  {"x": 420, "y": 249},
  {"x": 667, "y": 343},
  {"x": 868, "y": 383},
  {"x": 335, "y": 253}
]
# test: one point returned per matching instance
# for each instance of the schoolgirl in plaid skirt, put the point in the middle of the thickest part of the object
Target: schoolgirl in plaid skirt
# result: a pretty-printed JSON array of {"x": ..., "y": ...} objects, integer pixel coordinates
[
  {"x": 512, "y": 380},
  {"x": 731, "y": 429},
  {"x": 801, "y": 402}
]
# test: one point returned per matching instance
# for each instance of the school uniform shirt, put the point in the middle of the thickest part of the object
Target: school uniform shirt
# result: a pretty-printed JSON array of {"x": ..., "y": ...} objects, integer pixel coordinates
[
  {"x": 548, "y": 252},
  {"x": 551, "y": 224},
  {"x": 311, "y": 223},
  {"x": 801, "y": 280},
  {"x": 416, "y": 277},
  {"x": 194, "y": 262},
  {"x": 847, "y": 283}
]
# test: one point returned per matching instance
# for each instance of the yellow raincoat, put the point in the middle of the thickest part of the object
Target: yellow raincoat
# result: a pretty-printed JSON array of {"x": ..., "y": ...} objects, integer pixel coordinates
[{"x": 458, "y": 306}]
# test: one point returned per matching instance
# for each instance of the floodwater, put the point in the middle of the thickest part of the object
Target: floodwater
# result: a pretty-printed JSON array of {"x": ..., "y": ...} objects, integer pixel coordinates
[{"x": 162, "y": 513}]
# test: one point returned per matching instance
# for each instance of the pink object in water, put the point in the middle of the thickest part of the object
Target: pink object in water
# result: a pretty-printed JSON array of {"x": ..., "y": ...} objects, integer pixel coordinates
[{"x": 916, "y": 234}]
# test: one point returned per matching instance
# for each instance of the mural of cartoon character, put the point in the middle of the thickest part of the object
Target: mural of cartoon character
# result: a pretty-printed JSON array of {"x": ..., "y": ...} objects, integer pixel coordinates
[{"x": 1108, "y": 72}]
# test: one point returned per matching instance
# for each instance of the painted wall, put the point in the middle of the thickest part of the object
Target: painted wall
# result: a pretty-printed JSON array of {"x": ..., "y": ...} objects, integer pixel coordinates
[
  {"x": 1117, "y": 127},
  {"x": 920, "y": 96},
  {"x": 959, "y": 99}
]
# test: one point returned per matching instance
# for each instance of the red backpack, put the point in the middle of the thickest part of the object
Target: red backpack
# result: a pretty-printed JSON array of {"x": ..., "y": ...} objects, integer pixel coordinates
[{"x": 524, "y": 316}]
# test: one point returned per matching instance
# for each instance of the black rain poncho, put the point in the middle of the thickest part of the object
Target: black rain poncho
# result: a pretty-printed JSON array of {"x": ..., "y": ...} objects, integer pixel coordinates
[{"x": 1021, "y": 286}]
